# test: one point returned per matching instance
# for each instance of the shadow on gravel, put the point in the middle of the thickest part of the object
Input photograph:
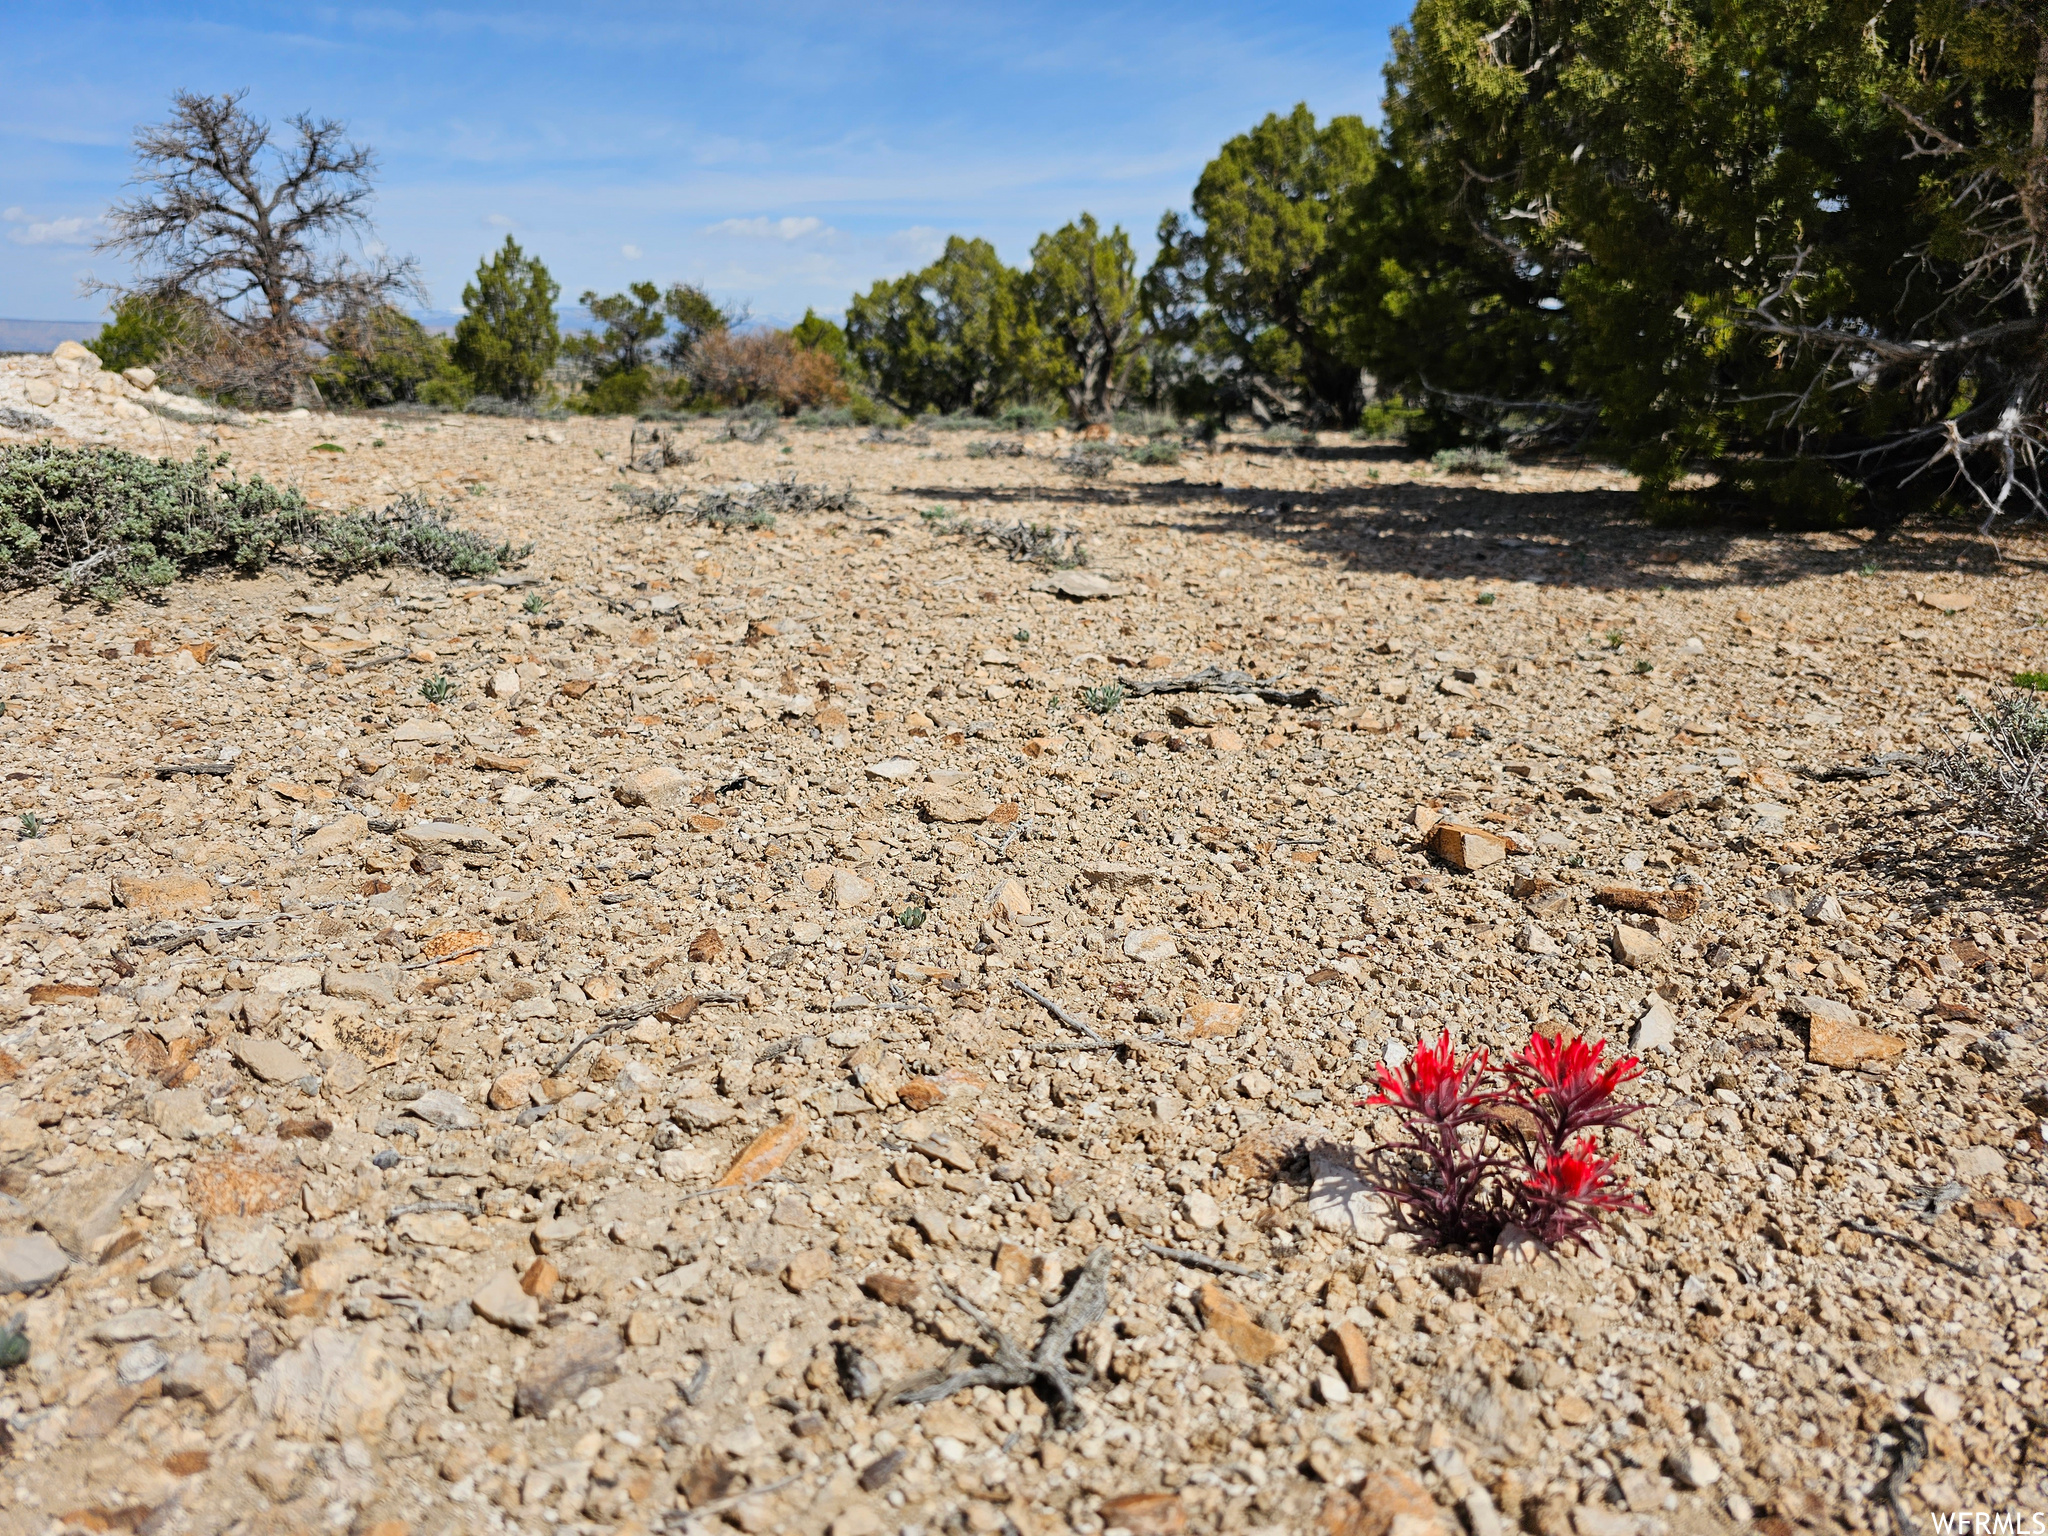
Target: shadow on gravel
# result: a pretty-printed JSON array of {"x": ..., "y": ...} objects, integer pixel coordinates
[
  {"x": 1953, "y": 870},
  {"x": 1566, "y": 538}
]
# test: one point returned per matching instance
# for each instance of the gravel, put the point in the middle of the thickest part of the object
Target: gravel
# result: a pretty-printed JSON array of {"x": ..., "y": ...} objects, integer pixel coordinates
[{"x": 312, "y": 1108}]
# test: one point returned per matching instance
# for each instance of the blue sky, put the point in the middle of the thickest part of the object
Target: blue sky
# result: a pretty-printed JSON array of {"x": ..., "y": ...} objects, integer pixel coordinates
[{"x": 783, "y": 154}]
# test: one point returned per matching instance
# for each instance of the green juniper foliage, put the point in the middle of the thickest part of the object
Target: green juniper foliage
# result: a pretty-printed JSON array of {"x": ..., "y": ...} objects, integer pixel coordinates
[
  {"x": 960, "y": 335},
  {"x": 1793, "y": 244},
  {"x": 1243, "y": 296},
  {"x": 507, "y": 338}
]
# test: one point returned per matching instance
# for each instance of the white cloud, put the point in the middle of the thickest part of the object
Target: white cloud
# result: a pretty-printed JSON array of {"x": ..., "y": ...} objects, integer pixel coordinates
[
  {"x": 498, "y": 221},
  {"x": 73, "y": 231},
  {"x": 631, "y": 252},
  {"x": 920, "y": 242},
  {"x": 769, "y": 229}
]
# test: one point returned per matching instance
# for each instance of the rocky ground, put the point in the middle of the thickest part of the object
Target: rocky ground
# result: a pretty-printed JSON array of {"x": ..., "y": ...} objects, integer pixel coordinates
[{"x": 322, "y": 1221}]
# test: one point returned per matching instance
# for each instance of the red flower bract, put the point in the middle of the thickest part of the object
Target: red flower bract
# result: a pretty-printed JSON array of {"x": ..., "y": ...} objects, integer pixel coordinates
[
  {"x": 1568, "y": 1090},
  {"x": 1578, "y": 1175},
  {"x": 1435, "y": 1085},
  {"x": 1482, "y": 1146}
]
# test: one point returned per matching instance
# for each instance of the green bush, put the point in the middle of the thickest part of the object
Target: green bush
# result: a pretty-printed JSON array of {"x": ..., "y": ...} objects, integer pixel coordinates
[
  {"x": 860, "y": 411},
  {"x": 1027, "y": 418},
  {"x": 142, "y": 332},
  {"x": 385, "y": 357},
  {"x": 507, "y": 338},
  {"x": 103, "y": 523},
  {"x": 1156, "y": 453},
  {"x": 616, "y": 394}
]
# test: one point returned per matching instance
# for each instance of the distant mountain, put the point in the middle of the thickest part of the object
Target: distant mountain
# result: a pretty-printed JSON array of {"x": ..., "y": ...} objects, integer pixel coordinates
[{"x": 41, "y": 335}]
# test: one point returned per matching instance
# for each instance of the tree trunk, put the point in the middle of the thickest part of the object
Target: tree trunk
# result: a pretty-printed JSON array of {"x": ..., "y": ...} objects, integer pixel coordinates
[{"x": 2034, "y": 182}]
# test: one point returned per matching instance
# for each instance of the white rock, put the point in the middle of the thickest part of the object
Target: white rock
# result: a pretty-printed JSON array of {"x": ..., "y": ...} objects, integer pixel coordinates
[
  {"x": 444, "y": 1111},
  {"x": 1943, "y": 1404},
  {"x": 1150, "y": 944},
  {"x": 1716, "y": 1426},
  {"x": 1691, "y": 1467},
  {"x": 31, "y": 1263},
  {"x": 1201, "y": 1210},
  {"x": 1656, "y": 1029},
  {"x": 1823, "y": 908},
  {"x": 504, "y": 1303},
  {"x": 503, "y": 685},
  {"x": 1535, "y": 939},
  {"x": 244, "y": 1245},
  {"x": 896, "y": 770},
  {"x": 336, "y": 1386},
  {"x": 426, "y": 733}
]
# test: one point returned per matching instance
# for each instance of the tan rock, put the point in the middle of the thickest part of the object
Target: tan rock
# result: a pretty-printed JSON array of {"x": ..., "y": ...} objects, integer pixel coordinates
[
  {"x": 165, "y": 895},
  {"x": 1392, "y": 1503},
  {"x": 1210, "y": 1019},
  {"x": 1678, "y": 905},
  {"x": 504, "y": 1301},
  {"x": 807, "y": 1269},
  {"x": 658, "y": 784},
  {"x": 1226, "y": 1317},
  {"x": 1222, "y": 738},
  {"x": 1636, "y": 949},
  {"x": 955, "y": 807},
  {"x": 515, "y": 1088},
  {"x": 1836, "y": 1036},
  {"x": 1145, "y": 1514},
  {"x": 849, "y": 889},
  {"x": 1150, "y": 945},
  {"x": 1345, "y": 1344},
  {"x": 1946, "y": 601},
  {"x": 1465, "y": 847},
  {"x": 337, "y": 1385},
  {"x": 1117, "y": 878},
  {"x": 1010, "y": 900},
  {"x": 342, "y": 832}
]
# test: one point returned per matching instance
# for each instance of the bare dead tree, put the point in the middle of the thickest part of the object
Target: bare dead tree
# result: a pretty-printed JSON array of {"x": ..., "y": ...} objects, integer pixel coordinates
[{"x": 254, "y": 236}]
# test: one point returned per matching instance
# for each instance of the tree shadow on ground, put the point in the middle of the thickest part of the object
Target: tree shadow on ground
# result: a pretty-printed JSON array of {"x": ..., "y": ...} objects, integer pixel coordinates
[{"x": 1461, "y": 530}]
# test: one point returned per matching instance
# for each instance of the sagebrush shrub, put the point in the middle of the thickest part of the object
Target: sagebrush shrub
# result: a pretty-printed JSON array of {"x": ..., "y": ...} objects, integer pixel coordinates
[
  {"x": 104, "y": 523},
  {"x": 1485, "y": 1147},
  {"x": 1470, "y": 461},
  {"x": 2003, "y": 783}
]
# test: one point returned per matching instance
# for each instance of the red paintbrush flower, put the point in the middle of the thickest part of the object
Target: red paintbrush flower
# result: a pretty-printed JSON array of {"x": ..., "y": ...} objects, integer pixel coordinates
[
  {"x": 1567, "y": 1088},
  {"x": 1569, "y": 1194},
  {"x": 1577, "y": 1175},
  {"x": 1435, "y": 1085}
]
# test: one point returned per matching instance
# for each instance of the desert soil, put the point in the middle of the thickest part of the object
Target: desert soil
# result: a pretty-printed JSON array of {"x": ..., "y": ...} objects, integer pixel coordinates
[{"x": 320, "y": 1224}]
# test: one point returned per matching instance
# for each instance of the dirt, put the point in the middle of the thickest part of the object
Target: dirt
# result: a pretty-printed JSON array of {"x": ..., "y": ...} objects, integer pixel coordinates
[{"x": 357, "y": 1237}]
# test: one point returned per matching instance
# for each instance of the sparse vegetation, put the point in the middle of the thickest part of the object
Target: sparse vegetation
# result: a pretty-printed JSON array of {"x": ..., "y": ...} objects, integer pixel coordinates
[
  {"x": 437, "y": 689},
  {"x": 1470, "y": 461},
  {"x": 2001, "y": 782},
  {"x": 1156, "y": 453},
  {"x": 1058, "y": 548},
  {"x": 1089, "y": 461},
  {"x": 755, "y": 508},
  {"x": 1103, "y": 698},
  {"x": 104, "y": 523}
]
